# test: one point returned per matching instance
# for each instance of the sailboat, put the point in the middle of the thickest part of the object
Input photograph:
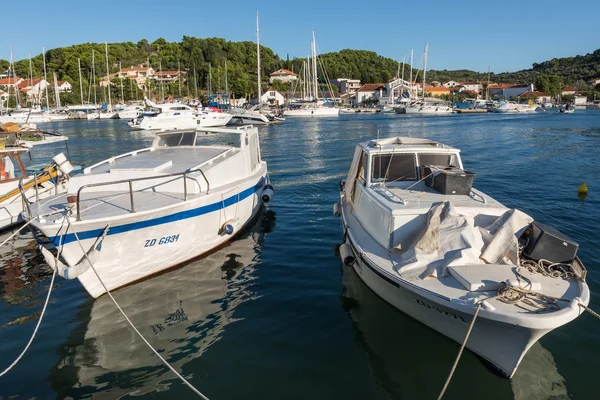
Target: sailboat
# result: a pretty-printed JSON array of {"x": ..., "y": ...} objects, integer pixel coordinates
[
  {"x": 316, "y": 108},
  {"x": 429, "y": 106},
  {"x": 107, "y": 113}
]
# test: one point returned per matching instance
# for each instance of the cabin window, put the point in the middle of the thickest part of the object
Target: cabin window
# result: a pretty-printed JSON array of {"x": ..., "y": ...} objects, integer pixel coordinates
[
  {"x": 362, "y": 166},
  {"x": 177, "y": 139},
  {"x": 393, "y": 167},
  {"x": 444, "y": 160}
]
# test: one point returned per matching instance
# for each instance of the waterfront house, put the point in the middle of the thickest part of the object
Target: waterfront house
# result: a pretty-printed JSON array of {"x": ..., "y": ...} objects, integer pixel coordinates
[
  {"x": 474, "y": 86},
  {"x": 450, "y": 84},
  {"x": 104, "y": 81},
  {"x": 370, "y": 93},
  {"x": 570, "y": 90},
  {"x": 273, "y": 97},
  {"x": 539, "y": 97},
  {"x": 168, "y": 76},
  {"x": 10, "y": 82},
  {"x": 509, "y": 91},
  {"x": 283, "y": 75},
  {"x": 436, "y": 83},
  {"x": 32, "y": 88},
  {"x": 64, "y": 86},
  {"x": 140, "y": 74},
  {"x": 346, "y": 86}
]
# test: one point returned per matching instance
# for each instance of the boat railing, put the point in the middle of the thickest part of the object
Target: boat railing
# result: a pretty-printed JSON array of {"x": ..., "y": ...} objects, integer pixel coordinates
[{"x": 130, "y": 182}]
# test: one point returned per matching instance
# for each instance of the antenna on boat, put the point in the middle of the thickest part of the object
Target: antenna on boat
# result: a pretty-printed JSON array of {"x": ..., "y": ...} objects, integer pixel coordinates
[{"x": 377, "y": 134}]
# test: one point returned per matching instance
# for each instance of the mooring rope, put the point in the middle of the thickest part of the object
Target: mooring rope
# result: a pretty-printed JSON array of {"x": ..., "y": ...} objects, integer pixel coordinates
[
  {"x": 131, "y": 323},
  {"x": 45, "y": 303},
  {"x": 462, "y": 347}
]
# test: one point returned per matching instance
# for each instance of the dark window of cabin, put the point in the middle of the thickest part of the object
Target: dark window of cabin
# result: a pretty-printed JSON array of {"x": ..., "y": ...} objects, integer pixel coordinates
[
  {"x": 444, "y": 160},
  {"x": 394, "y": 167}
]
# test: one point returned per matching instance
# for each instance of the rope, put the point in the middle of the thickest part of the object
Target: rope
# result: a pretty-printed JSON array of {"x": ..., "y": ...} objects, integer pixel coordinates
[
  {"x": 131, "y": 323},
  {"x": 586, "y": 308},
  {"x": 462, "y": 347},
  {"x": 43, "y": 309}
]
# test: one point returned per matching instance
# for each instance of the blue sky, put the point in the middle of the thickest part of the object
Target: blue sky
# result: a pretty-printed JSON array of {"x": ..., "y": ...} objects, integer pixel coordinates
[{"x": 507, "y": 35}]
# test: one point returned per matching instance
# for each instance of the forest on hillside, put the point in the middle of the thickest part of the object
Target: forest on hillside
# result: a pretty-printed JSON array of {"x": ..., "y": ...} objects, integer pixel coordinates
[{"x": 201, "y": 54}]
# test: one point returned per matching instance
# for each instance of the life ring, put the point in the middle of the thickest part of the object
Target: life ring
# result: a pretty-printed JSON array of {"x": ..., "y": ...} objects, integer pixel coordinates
[{"x": 3, "y": 174}]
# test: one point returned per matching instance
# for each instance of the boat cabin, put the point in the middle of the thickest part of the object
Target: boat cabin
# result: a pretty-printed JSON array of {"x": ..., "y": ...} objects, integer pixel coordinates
[{"x": 401, "y": 161}]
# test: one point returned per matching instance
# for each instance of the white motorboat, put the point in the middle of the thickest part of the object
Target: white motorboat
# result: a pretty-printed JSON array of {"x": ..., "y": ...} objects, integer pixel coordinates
[
  {"x": 313, "y": 111},
  {"x": 142, "y": 212},
  {"x": 16, "y": 181},
  {"x": 130, "y": 112},
  {"x": 347, "y": 110},
  {"x": 512, "y": 107},
  {"x": 594, "y": 104},
  {"x": 105, "y": 114},
  {"x": 252, "y": 116},
  {"x": 424, "y": 240},
  {"x": 171, "y": 116},
  {"x": 567, "y": 110},
  {"x": 426, "y": 107},
  {"x": 208, "y": 117},
  {"x": 25, "y": 117}
]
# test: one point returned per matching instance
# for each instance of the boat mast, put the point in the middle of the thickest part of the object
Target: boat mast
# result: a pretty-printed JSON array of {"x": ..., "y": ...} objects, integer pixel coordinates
[
  {"x": 487, "y": 88},
  {"x": 209, "y": 79},
  {"x": 411, "y": 77},
  {"x": 258, "y": 58},
  {"x": 120, "y": 76},
  {"x": 179, "y": 77},
  {"x": 46, "y": 78},
  {"x": 14, "y": 76},
  {"x": 195, "y": 82},
  {"x": 162, "y": 90},
  {"x": 56, "y": 91},
  {"x": 402, "y": 83},
  {"x": 80, "y": 80},
  {"x": 314, "y": 60},
  {"x": 31, "y": 75},
  {"x": 424, "y": 69},
  {"x": 226, "y": 85},
  {"x": 94, "y": 76},
  {"x": 107, "y": 77}
]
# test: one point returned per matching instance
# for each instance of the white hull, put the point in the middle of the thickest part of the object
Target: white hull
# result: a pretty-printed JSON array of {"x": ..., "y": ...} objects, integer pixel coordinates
[
  {"x": 11, "y": 209},
  {"x": 503, "y": 345},
  {"x": 428, "y": 110},
  {"x": 161, "y": 122},
  {"x": 22, "y": 118},
  {"x": 128, "y": 252},
  {"x": 131, "y": 114},
  {"x": 102, "y": 115},
  {"x": 249, "y": 118},
  {"x": 513, "y": 108},
  {"x": 213, "y": 119},
  {"x": 313, "y": 112}
]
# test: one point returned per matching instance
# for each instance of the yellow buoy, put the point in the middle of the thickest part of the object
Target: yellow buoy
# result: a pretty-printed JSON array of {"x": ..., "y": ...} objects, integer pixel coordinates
[{"x": 582, "y": 189}]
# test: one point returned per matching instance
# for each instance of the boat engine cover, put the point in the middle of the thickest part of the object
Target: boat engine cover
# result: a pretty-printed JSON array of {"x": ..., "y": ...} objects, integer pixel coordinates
[{"x": 546, "y": 242}]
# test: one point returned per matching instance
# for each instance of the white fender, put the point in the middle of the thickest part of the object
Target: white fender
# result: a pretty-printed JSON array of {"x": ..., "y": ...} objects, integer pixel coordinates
[
  {"x": 232, "y": 226},
  {"x": 347, "y": 255},
  {"x": 267, "y": 193},
  {"x": 337, "y": 209},
  {"x": 83, "y": 264}
]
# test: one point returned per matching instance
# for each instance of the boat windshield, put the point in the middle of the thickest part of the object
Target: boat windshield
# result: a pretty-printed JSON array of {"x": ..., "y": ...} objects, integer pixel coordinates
[
  {"x": 200, "y": 138},
  {"x": 393, "y": 167}
]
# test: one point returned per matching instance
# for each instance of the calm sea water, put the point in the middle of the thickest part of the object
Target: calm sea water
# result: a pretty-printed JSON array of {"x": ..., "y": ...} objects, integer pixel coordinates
[{"x": 273, "y": 314}]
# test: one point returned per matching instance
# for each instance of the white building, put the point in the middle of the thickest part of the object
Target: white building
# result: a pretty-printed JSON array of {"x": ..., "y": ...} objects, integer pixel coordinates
[
  {"x": 33, "y": 88},
  {"x": 140, "y": 74},
  {"x": 10, "y": 82},
  {"x": 283, "y": 75},
  {"x": 370, "y": 92},
  {"x": 451, "y": 84},
  {"x": 346, "y": 86},
  {"x": 472, "y": 86},
  {"x": 64, "y": 86},
  {"x": 273, "y": 97}
]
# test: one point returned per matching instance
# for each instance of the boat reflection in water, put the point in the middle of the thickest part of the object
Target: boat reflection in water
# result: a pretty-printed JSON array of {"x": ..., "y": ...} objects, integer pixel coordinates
[
  {"x": 181, "y": 313},
  {"x": 410, "y": 361}
]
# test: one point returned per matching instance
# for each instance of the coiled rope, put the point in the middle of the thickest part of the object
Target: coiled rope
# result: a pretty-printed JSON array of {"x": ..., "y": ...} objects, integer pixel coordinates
[{"x": 131, "y": 323}]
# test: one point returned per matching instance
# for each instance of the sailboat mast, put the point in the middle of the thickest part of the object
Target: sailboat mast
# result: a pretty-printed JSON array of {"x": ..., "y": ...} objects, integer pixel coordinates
[
  {"x": 195, "y": 83},
  {"x": 314, "y": 60},
  {"x": 226, "y": 84},
  {"x": 411, "y": 81},
  {"x": 424, "y": 69},
  {"x": 487, "y": 88},
  {"x": 107, "y": 77},
  {"x": 45, "y": 78},
  {"x": 120, "y": 76},
  {"x": 209, "y": 79},
  {"x": 402, "y": 82},
  {"x": 56, "y": 90},
  {"x": 30, "y": 74},
  {"x": 94, "y": 76},
  {"x": 14, "y": 76},
  {"x": 258, "y": 58},
  {"x": 179, "y": 77},
  {"x": 80, "y": 80}
]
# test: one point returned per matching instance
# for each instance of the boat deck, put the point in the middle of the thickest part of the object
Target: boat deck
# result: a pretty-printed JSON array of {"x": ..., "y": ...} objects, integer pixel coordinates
[{"x": 165, "y": 160}]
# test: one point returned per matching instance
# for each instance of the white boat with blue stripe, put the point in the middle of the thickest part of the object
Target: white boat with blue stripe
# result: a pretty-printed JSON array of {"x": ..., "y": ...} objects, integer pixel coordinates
[{"x": 142, "y": 212}]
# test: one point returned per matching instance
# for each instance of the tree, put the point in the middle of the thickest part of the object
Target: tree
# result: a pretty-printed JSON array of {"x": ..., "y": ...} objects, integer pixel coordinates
[
  {"x": 555, "y": 85},
  {"x": 542, "y": 83}
]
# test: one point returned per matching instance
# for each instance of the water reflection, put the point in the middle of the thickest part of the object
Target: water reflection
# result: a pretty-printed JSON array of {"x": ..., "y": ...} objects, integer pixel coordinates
[
  {"x": 181, "y": 313},
  {"x": 409, "y": 360}
]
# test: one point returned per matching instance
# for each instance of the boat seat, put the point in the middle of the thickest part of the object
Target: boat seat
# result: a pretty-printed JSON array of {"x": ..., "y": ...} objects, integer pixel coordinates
[{"x": 491, "y": 277}]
